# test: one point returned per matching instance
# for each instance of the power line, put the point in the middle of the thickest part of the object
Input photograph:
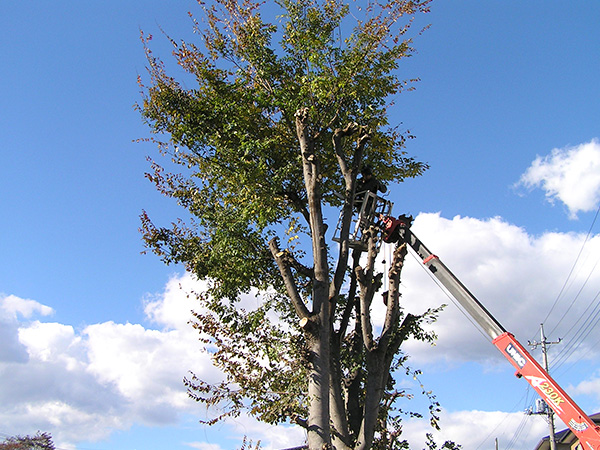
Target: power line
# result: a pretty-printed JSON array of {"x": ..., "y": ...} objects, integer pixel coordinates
[
  {"x": 566, "y": 369},
  {"x": 573, "y": 266},
  {"x": 576, "y": 297},
  {"x": 452, "y": 299},
  {"x": 517, "y": 434},
  {"x": 590, "y": 320},
  {"x": 513, "y": 409},
  {"x": 583, "y": 332}
]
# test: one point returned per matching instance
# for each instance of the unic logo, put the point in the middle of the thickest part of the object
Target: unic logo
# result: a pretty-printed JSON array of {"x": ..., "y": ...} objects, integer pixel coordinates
[
  {"x": 516, "y": 356},
  {"x": 578, "y": 426}
]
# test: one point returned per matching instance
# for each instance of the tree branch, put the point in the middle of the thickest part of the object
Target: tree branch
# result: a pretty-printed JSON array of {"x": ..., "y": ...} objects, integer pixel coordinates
[
  {"x": 290, "y": 260},
  {"x": 288, "y": 279},
  {"x": 369, "y": 283},
  {"x": 300, "y": 421},
  {"x": 365, "y": 310},
  {"x": 349, "y": 174},
  {"x": 345, "y": 320},
  {"x": 393, "y": 298},
  {"x": 299, "y": 203}
]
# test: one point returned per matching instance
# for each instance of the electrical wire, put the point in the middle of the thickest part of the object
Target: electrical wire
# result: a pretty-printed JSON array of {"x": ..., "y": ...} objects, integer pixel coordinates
[
  {"x": 573, "y": 267},
  {"x": 585, "y": 314},
  {"x": 582, "y": 333},
  {"x": 518, "y": 432},
  {"x": 590, "y": 320},
  {"x": 589, "y": 324},
  {"x": 566, "y": 369},
  {"x": 575, "y": 298},
  {"x": 513, "y": 409},
  {"x": 574, "y": 339},
  {"x": 452, "y": 299},
  {"x": 521, "y": 426}
]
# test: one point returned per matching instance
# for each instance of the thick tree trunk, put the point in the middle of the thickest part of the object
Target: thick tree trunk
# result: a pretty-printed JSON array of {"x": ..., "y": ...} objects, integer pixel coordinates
[
  {"x": 319, "y": 347},
  {"x": 318, "y": 394},
  {"x": 377, "y": 375},
  {"x": 319, "y": 435}
]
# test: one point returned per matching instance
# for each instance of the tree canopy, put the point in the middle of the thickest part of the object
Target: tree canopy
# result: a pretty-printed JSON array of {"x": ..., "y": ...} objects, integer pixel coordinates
[{"x": 282, "y": 116}]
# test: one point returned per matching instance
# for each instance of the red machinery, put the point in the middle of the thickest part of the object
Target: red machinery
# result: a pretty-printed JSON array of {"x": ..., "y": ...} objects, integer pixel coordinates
[{"x": 588, "y": 433}]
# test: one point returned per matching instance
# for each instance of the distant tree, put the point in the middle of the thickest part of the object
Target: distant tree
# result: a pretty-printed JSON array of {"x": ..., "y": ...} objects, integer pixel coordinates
[
  {"x": 247, "y": 444},
  {"x": 41, "y": 441},
  {"x": 266, "y": 139}
]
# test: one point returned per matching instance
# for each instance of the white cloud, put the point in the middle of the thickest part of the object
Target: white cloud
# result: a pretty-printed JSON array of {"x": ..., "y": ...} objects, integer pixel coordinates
[
  {"x": 271, "y": 437},
  {"x": 12, "y": 305},
  {"x": 589, "y": 389},
  {"x": 172, "y": 309},
  {"x": 51, "y": 342},
  {"x": 204, "y": 446},
  {"x": 147, "y": 366},
  {"x": 516, "y": 276},
  {"x": 570, "y": 175},
  {"x": 82, "y": 384}
]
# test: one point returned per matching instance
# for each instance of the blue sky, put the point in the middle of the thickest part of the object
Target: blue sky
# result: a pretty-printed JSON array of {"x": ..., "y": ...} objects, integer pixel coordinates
[{"x": 93, "y": 334}]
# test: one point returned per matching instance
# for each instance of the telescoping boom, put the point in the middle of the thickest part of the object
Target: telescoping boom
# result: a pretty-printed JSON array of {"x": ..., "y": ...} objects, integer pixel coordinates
[{"x": 588, "y": 433}]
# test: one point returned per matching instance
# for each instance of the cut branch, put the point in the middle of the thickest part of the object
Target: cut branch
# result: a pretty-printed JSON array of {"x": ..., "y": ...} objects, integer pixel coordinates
[
  {"x": 288, "y": 279},
  {"x": 393, "y": 303}
]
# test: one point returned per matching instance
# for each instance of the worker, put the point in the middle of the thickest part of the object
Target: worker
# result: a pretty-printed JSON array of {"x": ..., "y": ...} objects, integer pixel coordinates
[{"x": 367, "y": 183}]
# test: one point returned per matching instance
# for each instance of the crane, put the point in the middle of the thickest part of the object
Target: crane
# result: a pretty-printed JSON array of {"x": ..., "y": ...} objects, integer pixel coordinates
[{"x": 397, "y": 230}]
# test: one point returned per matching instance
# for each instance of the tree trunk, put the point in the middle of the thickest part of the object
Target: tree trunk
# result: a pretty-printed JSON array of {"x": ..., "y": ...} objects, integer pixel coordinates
[
  {"x": 380, "y": 352},
  {"x": 318, "y": 394},
  {"x": 340, "y": 436},
  {"x": 319, "y": 435},
  {"x": 377, "y": 374}
]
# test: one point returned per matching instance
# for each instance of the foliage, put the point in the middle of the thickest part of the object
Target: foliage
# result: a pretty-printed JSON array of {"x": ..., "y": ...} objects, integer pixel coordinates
[
  {"x": 247, "y": 444},
  {"x": 41, "y": 441},
  {"x": 269, "y": 136},
  {"x": 237, "y": 127},
  {"x": 265, "y": 368}
]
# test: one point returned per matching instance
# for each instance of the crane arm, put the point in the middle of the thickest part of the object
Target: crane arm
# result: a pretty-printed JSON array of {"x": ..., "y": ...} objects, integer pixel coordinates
[{"x": 588, "y": 433}]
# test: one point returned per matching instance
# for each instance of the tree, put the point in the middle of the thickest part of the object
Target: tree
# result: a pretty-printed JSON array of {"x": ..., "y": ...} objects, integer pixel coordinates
[
  {"x": 41, "y": 441},
  {"x": 266, "y": 141}
]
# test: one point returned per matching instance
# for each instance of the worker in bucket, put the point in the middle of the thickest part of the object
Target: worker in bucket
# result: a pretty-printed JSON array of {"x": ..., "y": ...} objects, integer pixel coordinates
[{"x": 367, "y": 183}]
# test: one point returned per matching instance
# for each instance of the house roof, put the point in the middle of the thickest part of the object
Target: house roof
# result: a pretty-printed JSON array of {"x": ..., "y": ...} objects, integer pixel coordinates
[{"x": 565, "y": 436}]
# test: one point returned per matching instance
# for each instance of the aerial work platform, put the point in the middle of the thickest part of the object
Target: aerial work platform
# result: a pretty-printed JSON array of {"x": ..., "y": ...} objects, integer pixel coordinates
[{"x": 370, "y": 208}]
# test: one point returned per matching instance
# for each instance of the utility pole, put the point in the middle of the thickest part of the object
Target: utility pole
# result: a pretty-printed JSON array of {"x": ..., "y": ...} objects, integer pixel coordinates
[{"x": 543, "y": 343}]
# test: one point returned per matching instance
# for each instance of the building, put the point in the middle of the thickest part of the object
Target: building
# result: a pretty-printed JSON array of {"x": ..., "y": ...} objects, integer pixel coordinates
[{"x": 565, "y": 439}]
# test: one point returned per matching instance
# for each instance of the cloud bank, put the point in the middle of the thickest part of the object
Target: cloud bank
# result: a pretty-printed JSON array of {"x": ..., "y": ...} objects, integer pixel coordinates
[
  {"x": 479, "y": 430},
  {"x": 516, "y": 276},
  {"x": 84, "y": 384},
  {"x": 570, "y": 175}
]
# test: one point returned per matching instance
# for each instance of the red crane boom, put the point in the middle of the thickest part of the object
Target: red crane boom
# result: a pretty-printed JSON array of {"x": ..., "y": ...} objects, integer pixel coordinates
[{"x": 588, "y": 433}]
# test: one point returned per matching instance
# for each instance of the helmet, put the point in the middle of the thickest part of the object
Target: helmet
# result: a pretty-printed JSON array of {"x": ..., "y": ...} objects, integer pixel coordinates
[{"x": 366, "y": 170}]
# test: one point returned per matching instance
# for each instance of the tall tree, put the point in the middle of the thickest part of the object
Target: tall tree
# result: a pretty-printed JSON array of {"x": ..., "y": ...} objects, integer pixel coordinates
[{"x": 268, "y": 139}]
